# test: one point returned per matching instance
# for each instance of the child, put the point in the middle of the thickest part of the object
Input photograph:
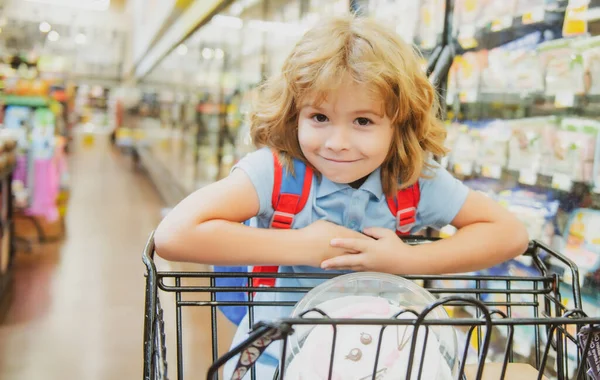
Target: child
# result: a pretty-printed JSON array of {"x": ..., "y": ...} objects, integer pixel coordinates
[{"x": 354, "y": 105}]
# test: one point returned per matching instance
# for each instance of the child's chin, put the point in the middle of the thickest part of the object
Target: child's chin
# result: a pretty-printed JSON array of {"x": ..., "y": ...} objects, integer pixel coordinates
[{"x": 341, "y": 178}]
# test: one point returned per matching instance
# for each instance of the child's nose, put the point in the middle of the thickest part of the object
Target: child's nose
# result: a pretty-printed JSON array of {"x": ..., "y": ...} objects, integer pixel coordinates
[{"x": 338, "y": 140}]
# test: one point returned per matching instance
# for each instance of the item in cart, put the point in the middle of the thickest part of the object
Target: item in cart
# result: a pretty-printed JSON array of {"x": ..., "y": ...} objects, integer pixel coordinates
[
  {"x": 357, "y": 346},
  {"x": 377, "y": 296},
  {"x": 593, "y": 357}
]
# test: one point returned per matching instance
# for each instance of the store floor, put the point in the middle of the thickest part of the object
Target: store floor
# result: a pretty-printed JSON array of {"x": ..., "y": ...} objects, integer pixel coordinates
[{"x": 77, "y": 308}]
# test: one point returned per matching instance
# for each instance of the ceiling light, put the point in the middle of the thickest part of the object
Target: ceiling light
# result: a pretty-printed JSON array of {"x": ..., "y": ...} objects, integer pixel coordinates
[
  {"x": 228, "y": 21},
  {"x": 53, "y": 36},
  {"x": 182, "y": 49},
  {"x": 92, "y": 5},
  {"x": 80, "y": 39},
  {"x": 45, "y": 27},
  {"x": 207, "y": 53}
]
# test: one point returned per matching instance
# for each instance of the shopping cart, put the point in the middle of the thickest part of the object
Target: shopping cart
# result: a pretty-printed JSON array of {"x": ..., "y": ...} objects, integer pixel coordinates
[{"x": 498, "y": 317}]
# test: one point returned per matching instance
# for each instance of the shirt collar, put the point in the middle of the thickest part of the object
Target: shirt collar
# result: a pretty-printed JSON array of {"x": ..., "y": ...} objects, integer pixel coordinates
[{"x": 372, "y": 185}]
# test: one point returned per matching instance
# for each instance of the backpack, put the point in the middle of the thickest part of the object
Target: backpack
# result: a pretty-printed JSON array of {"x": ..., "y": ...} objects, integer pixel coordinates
[{"x": 290, "y": 194}]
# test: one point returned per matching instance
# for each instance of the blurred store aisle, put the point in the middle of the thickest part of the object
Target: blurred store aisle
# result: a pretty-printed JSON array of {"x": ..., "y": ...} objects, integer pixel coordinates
[{"x": 77, "y": 311}]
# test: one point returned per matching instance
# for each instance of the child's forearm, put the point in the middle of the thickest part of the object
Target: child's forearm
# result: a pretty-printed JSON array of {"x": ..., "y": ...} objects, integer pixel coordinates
[
  {"x": 220, "y": 242},
  {"x": 474, "y": 247}
]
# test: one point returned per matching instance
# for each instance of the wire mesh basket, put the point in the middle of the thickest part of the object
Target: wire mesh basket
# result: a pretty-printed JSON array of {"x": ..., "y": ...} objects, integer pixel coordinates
[{"x": 530, "y": 326}]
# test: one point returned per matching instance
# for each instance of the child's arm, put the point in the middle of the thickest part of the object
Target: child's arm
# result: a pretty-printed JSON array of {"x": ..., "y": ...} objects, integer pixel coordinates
[
  {"x": 206, "y": 228},
  {"x": 487, "y": 235}
]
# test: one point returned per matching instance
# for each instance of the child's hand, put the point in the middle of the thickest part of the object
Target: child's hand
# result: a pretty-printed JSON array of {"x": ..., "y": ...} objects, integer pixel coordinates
[
  {"x": 319, "y": 236},
  {"x": 385, "y": 253}
]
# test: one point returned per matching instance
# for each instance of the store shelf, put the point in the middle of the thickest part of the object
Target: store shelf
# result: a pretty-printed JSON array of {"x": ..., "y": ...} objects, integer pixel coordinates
[
  {"x": 169, "y": 187},
  {"x": 491, "y": 35},
  {"x": 29, "y": 101}
]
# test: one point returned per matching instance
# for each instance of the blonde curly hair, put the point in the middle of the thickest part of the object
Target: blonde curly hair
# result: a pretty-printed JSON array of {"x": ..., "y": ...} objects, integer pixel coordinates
[{"x": 371, "y": 54}]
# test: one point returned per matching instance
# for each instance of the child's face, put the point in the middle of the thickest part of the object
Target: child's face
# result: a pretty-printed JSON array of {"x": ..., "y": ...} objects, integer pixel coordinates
[{"x": 347, "y": 136}]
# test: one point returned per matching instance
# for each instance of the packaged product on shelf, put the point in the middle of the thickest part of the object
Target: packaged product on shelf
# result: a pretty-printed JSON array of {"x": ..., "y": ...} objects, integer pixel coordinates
[
  {"x": 390, "y": 12},
  {"x": 589, "y": 50},
  {"x": 463, "y": 155},
  {"x": 494, "y": 74},
  {"x": 431, "y": 23},
  {"x": 572, "y": 152},
  {"x": 575, "y": 22},
  {"x": 453, "y": 129},
  {"x": 521, "y": 64},
  {"x": 468, "y": 16},
  {"x": 526, "y": 73},
  {"x": 526, "y": 147},
  {"x": 564, "y": 71},
  {"x": 488, "y": 186},
  {"x": 531, "y": 11},
  {"x": 42, "y": 133},
  {"x": 493, "y": 148},
  {"x": 467, "y": 74},
  {"x": 498, "y": 14},
  {"x": 582, "y": 244},
  {"x": 523, "y": 338},
  {"x": 536, "y": 210},
  {"x": 17, "y": 119}
]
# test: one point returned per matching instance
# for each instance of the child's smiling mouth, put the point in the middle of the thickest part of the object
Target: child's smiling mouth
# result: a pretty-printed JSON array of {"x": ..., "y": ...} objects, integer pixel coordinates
[{"x": 338, "y": 161}]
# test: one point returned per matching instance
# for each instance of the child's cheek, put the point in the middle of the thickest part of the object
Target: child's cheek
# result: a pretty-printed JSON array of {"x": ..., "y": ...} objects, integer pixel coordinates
[{"x": 308, "y": 136}]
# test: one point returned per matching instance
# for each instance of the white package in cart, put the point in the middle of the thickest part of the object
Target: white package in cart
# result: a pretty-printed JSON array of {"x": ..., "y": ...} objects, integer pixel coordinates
[{"x": 366, "y": 295}]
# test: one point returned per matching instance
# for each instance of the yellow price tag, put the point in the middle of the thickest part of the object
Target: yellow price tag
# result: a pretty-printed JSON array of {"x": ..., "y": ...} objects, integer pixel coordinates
[
  {"x": 492, "y": 171},
  {"x": 88, "y": 140},
  {"x": 562, "y": 182},
  {"x": 528, "y": 177},
  {"x": 533, "y": 16},
  {"x": 564, "y": 100}
]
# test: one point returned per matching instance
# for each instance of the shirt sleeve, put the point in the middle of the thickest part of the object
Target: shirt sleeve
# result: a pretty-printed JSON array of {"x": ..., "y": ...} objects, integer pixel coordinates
[
  {"x": 258, "y": 166},
  {"x": 442, "y": 197}
]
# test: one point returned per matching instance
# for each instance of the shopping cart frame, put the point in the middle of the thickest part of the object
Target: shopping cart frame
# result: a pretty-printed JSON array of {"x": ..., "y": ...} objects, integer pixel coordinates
[{"x": 555, "y": 318}]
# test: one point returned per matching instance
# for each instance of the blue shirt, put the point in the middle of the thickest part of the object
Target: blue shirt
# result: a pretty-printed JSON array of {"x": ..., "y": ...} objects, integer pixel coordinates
[{"x": 442, "y": 196}]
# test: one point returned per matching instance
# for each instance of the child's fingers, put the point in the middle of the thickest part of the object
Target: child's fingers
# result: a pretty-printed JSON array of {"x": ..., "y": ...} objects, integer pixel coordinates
[{"x": 344, "y": 261}]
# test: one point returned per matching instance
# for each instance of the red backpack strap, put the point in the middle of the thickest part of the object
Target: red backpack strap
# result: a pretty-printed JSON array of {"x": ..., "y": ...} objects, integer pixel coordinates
[
  {"x": 404, "y": 207},
  {"x": 290, "y": 194}
]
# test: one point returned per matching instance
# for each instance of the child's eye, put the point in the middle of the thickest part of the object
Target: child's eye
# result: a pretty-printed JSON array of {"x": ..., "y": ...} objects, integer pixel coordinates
[
  {"x": 319, "y": 118},
  {"x": 363, "y": 121}
]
